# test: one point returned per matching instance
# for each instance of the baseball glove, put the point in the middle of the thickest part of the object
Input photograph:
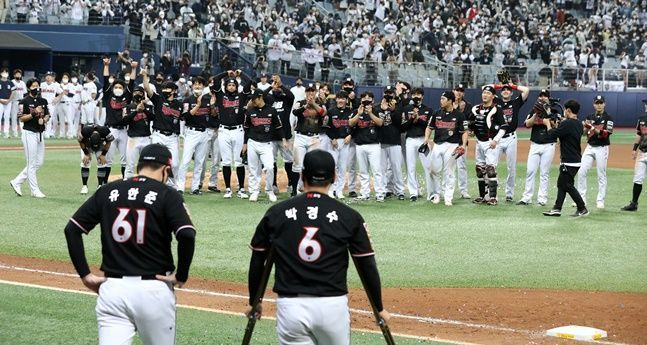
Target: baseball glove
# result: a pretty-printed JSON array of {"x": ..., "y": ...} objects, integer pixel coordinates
[
  {"x": 540, "y": 109},
  {"x": 459, "y": 151},
  {"x": 424, "y": 149},
  {"x": 503, "y": 76}
]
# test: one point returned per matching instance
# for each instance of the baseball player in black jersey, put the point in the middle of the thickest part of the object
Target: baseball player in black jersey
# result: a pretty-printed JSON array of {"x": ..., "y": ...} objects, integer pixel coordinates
[
  {"x": 138, "y": 115},
  {"x": 639, "y": 154},
  {"x": 391, "y": 144},
  {"x": 450, "y": 132},
  {"x": 414, "y": 122},
  {"x": 569, "y": 132},
  {"x": 261, "y": 124},
  {"x": 598, "y": 129},
  {"x": 311, "y": 236},
  {"x": 94, "y": 139},
  {"x": 339, "y": 132},
  {"x": 231, "y": 111},
  {"x": 116, "y": 96},
  {"x": 489, "y": 126},
  {"x": 167, "y": 112},
  {"x": 138, "y": 218},
  {"x": 366, "y": 122},
  {"x": 213, "y": 146},
  {"x": 464, "y": 107},
  {"x": 348, "y": 85},
  {"x": 34, "y": 115},
  {"x": 282, "y": 100},
  {"x": 508, "y": 144}
]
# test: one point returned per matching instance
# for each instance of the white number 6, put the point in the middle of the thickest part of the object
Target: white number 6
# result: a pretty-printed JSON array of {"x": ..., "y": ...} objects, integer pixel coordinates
[
  {"x": 122, "y": 230},
  {"x": 309, "y": 249}
]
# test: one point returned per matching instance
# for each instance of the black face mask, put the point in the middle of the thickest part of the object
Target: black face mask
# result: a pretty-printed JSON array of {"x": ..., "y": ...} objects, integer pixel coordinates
[
  {"x": 299, "y": 84},
  {"x": 34, "y": 92},
  {"x": 388, "y": 97},
  {"x": 159, "y": 80},
  {"x": 18, "y": 78},
  {"x": 417, "y": 100},
  {"x": 366, "y": 102},
  {"x": 167, "y": 94},
  {"x": 348, "y": 89},
  {"x": 138, "y": 99}
]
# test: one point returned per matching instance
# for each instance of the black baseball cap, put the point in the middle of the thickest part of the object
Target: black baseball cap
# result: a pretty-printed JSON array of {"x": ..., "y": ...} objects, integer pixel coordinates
[
  {"x": 544, "y": 92},
  {"x": 263, "y": 75},
  {"x": 342, "y": 94},
  {"x": 348, "y": 81},
  {"x": 489, "y": 88},
  {"x": 257, "y": 93},
  {"x": 506, "y": 86},
  {"x": 157, "y": 153},
  {"x": 318, "y": 166},
  {"x": 311, "y": 87},
  {"x": 460, "y": 87},
  {"x": 598, "y": 99},
  {"x": 449, "y": 95},
  {"x": 52, "y": 73}
]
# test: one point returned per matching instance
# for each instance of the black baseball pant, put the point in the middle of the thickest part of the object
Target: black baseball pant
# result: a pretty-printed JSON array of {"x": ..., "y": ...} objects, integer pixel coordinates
[{"x": 566, "y": 184}]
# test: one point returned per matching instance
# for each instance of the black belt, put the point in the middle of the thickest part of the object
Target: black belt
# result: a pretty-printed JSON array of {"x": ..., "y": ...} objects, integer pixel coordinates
[
  {"x": 509, "y": 135},
  {"x": 119, "y": 276},
  {"x": 199, "y": 129},
  {"x": 231, "y": 127},
  {"x": 310, "y": 134},
  {"x": 167, "y": 133},
  {"x": 295, "y": 295},
  {"x": 117, "y": 127}
]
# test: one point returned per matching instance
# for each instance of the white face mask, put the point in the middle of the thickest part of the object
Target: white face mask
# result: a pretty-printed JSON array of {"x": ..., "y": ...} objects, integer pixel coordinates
[
  {"x": 5, "y": 75},
  {"x": 75, "y": 80},
  {"x": 118, "y": 92},
  {"x": 65, "y": 80},
  {"x": 111, "y": 80},
  {"x": 197, "y": 92},
  {"x": 182, "y": 80},
  {"x": 127, "y": 78}
]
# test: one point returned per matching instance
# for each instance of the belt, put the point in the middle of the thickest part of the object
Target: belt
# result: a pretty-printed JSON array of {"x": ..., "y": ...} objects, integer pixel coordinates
[
  {"x": 310, "y": 134},
  {"x": 295, "y": 295},
  {"x": 119, "y": 276},
  {"x": 167, "y": 133},
  {"x": 231, "y": 127},
  {"x": 118, "y": 127},
  {"x": 509, "y": 135},
  {"x": 199, "y": 129}
]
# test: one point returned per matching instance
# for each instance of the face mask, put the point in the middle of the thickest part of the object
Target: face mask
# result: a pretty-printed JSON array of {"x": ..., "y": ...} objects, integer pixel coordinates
[
  {"x": 127, "y": 78},
  {"x": 111, "y": 80},
  {"x": 145, "y": 55},
  {"x": 18, "y": 77},
  {"x": 75, "y": 80},
  {"x": 118, "y": 92},
  {"x": 5, "y": 75},
  {"x": 182, "y": 80},
  {"x": 197, "y": 92},
  {"x": 34, "y": 92},
  {"x": 138, "y": 98},
  {"x": 65, "y": 80},
  {"x": 417, "y": 100},
  {"x": 348, "y": 89},
  {"x": 366, "y": 102},
  {"x": 167, "y": 94},
  {"x": 159, "y": 80}
]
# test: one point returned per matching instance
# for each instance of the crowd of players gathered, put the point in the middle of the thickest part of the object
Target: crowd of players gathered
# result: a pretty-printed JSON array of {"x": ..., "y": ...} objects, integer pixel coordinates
[{"x": 237, "y": 122}]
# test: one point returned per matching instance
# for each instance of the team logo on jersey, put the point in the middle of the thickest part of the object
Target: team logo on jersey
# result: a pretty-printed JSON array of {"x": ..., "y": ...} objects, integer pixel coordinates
[{"x": 226, "y": 103}]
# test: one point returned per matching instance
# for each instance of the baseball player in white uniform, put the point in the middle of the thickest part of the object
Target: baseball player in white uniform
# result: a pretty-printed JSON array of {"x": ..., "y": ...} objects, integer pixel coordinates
[
  {"x": 138, "y": 116},
  {"x": 639, "y": 154},
  {"x": 339, "y": 132},
  {"x": 391, "y": 144},
  {"x": 89, "y": 101},
  {"x": 19, "y": 93},
  {"x": 461, "y": 163},
  {"x": 34, "y": 115},
  {"x": 261, "y": 124},
  {"x": 542, "y": 151},
  {"x": 598, "y": 127},
  {"x": 414, "y": 121},
  {"x": 51, "y": 90},
  {"x": 73, "y": 115},
  {"x": 7, "y": 93}
]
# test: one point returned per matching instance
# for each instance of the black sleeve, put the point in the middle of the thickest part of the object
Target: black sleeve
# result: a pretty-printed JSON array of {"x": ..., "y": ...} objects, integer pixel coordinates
[
  {"x": 276, "y": 120},
  {"x": 256, "y": 265},
  {"x": 246, "y": 127},
  {"x": 106, "y": 87},
  {"x": 185, "y": 250},
  {"x": 298, "y": 112},
  {"x": 558, "y": 132},
  {"x": 46, "y": 108},
  {"x": 76, "y": 249},
  {"x": 367, "y": 268}
]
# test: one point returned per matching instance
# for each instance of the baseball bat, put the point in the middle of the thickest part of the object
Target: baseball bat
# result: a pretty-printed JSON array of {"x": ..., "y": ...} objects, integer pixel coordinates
[
  {"x": 251, "y": 319},
  {"x": 386, "y": 332}
]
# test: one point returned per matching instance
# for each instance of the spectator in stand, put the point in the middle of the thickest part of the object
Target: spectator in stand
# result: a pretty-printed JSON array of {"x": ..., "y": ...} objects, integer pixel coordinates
[
  {"x": 248, "y": 46},
  {"x": 166, "y": 63},
  {"x": 274, "y": 51},
  {"x": 287, "y": 49}
]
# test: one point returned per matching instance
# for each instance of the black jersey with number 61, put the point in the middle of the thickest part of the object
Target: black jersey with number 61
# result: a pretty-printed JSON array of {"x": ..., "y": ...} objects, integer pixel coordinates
[
  {"x": 138, "y": 217},
  {"x": 312, "y": 235}
]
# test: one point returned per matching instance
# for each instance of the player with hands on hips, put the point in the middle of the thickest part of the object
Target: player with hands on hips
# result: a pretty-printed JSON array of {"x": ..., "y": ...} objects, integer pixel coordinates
[
  {"x": 598, "y": 127},
  {"x": 94, "y": 139},
  {"x": 34, "y": 114},
  {"x": 639, "y": 155},
  {"x": 311, "y": 236},
  {"x": 138, "y": 217}
]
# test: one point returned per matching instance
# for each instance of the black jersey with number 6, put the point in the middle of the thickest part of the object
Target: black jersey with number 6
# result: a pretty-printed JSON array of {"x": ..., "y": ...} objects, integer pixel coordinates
[
  {"x": 138, "y": 217},
  {"x": 312, "y": 235}
]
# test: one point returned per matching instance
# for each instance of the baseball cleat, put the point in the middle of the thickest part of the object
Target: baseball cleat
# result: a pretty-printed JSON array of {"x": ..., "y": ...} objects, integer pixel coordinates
[
  {"x": 401, "y": 197},
  {"x": 388, "y": 195},
  {"x": 448, "y": 203},
  {"x": 435, "y": 198},
  {"x": 523, "y": 203},
  {"x": 213, "y": 189},
  {"x": 580, "y": 213},
  {"x": 413, "y": 198},
  {"x": 272, "y": 196},
  {"x": 379, "y": 199},
  {"x": 465, "y": 196},
  {"x": 340, "y": 195},
  {"x": 16, "y": 188},
  {"x": 293, "y": 193},
  {"x": 631, "y": 207},
  {"x": 541, "y": 203},
  {"x": 38, "y": 194},
  {"x": 84, "y": 190},
  {"x": 228, "y": 194},
  {"x": 362, "y": 198},
  {"x": 196, "y": 192},
  {"x": 241, "y": 194},
  {"x": 253, "y": 197},
  {"x": 275, "y": 189},
  {"x": 352, "y": 194},
  {"x": 508, "y": 199},
  {"x": 600, "y": 204},
  {"x": 573, "y": 205},
  {"x": 479, "y": 200},
  {"x": 492, "y": 202},
  {"x": 553, "y": 213}
]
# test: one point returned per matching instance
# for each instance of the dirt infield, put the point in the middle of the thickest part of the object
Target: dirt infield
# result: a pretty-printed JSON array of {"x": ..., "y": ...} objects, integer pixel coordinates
[{"x": 484, "y": 316}]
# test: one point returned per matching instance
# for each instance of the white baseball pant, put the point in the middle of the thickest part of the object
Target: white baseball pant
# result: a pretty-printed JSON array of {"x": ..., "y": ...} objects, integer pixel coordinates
[
  {"x": 134, "y": 147},
  {"x": 540, "y": 157},
  {"x": 486, "y": 155},
  {"x": 509, "y": 147},
  {"x": 259, "y": 155},
  {"x": 352, "y": 167},
  {"x": 640, "y": 168},
  {"x": 172, "y": 144},
  {"x": 130, "y": 305},
  {"x": 324, "y": 142},
  {"x": 340, "y": 155},
  {"x": 101, "y": 117},
  {"x": 412, "y": 145},
  {"x": 5, "y": 116},
  {"x": 72, "y": 118},
  {"x": 442, "y": 161},
  {"x": 213, "y": 149},
  {"x": 286, "y": 155},
  {"x": 370, "y": 156},
  {"x": 14, "y": 118},
  {"x": 195, "y": 147},
  {"x": 231, "y": 145},
  {"x": 34, "y": 147},
  {"x": 96, "y": 155},
  {"x": 313, "y": 320},
  {"x": 461, "y": 165},
  {"x": 53, "y": 124},
  {"x": 392, "y": 168},
  {"x": 302, "y": 145},
  {"x": 120, "y": 142},
  {"x": 601, "y": 155},
  {"x": 88, "y": 113}
]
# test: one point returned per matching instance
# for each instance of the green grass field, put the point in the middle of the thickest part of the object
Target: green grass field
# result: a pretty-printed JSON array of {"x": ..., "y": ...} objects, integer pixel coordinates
[{"x": 417, "y": 244}]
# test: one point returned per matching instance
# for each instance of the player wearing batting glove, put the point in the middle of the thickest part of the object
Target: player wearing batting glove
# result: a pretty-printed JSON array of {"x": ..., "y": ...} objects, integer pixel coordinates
[
  {"x": 598, "y": 127},
  {"x": 311, "y": 236},
  {"x": 450, "y": 139},
  {"x": 137, "y": 217},
  {"x": 639, "y": 154}
]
